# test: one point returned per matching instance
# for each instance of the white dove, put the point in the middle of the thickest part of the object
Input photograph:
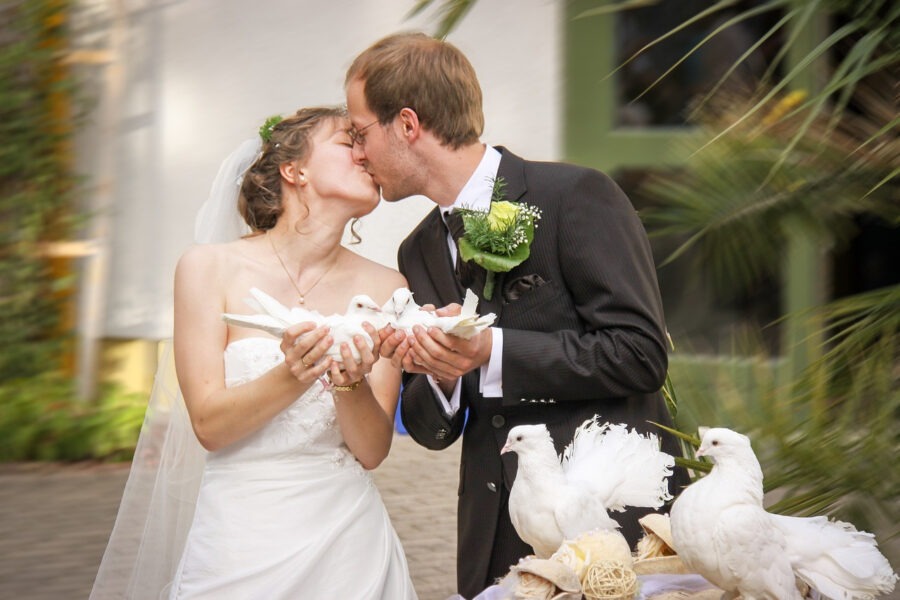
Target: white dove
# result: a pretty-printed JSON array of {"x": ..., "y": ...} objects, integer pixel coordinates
[
  {"x": 403, "y": 314},
  {"x": 273, "y": 317},
  {"x": 721, "y": 531},
  {"x": 605, "y": 467}
]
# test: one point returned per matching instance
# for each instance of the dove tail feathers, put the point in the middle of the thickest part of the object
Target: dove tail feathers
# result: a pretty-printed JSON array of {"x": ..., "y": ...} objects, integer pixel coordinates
[
  {"x": 624, "y": 468},
  {"x": 266, "y": 323},
  {"x": 470, "y": 326},
  {"x": 835, "y": 559},
  {"x": 270, "y": 305}
]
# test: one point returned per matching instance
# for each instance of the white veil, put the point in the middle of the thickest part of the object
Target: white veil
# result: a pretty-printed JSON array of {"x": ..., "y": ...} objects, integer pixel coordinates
[{"x": 157, "y": 506}]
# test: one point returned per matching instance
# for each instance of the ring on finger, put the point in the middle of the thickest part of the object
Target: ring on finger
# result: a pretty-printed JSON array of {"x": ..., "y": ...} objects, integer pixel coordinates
[{"x": 305, "y": 364}]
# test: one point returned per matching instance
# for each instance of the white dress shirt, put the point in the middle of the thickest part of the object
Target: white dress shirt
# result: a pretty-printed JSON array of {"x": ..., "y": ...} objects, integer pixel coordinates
[{"x": 476, "y": 195}]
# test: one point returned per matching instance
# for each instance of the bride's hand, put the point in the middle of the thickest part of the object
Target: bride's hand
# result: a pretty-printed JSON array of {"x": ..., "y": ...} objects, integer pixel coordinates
[
  {"x": 304, "y": 346},
  {"x": 352, "y": 372}
]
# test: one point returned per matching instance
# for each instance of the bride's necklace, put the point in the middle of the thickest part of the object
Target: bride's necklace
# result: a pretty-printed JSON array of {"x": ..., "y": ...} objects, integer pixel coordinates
[{"x": 302, "y": 295}]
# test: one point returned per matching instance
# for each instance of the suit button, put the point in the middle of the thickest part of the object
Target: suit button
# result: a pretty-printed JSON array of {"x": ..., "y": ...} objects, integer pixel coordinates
[
  {"x": 492, "y": 486},
  {"x": 440, "y": 434},
  {"x": 498, "y": 421}
]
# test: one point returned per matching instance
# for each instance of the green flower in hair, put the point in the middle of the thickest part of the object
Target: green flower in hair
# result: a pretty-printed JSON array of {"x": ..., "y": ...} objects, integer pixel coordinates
[{"x": 265, "y": 132}]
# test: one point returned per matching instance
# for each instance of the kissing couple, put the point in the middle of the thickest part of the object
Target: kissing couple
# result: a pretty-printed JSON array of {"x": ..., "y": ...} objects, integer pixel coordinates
[{"x": 259, "y": 484}]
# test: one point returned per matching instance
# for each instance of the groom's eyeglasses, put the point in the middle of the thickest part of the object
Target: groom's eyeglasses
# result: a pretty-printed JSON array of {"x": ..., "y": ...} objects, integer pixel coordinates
[{"x": 357, "y": 137}]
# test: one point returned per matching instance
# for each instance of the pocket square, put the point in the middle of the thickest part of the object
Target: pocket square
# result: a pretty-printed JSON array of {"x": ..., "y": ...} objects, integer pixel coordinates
[{"x": 514, "y": 289}]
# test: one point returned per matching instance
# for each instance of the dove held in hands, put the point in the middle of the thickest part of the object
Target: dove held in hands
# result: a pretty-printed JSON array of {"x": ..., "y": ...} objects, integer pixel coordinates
[
  {"x": 402, "y": 313},
  {"x": 274, "y": 318}
]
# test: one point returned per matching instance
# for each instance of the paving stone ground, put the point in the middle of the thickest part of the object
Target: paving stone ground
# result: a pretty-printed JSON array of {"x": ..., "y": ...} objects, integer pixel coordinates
[{"x": 55, "y": 521}]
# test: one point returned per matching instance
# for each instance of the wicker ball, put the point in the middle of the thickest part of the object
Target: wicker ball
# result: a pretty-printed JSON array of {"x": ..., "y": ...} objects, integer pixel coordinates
[{"x": 609, "y": 580}]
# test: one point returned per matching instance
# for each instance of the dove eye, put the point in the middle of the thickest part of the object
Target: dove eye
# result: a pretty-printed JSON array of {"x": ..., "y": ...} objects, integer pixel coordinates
[
  {"x": 715, "y": 442},
  {"x": 518, "y": 438}
]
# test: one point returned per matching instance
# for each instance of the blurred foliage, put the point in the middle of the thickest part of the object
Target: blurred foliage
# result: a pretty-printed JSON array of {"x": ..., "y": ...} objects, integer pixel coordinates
[
  {"x": 450, "y": 13},
  {"x": 37, "y": 185},
  {"x": 739, "y": 201},
  {"x": 41, "y": 419}
]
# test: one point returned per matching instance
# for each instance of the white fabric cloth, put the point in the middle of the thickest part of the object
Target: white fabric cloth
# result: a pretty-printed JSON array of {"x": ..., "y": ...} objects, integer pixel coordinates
[
  {"x": 218, "y": 220},
  {"x": 158, "y": 502},
  {"x": 288, "y": 512},
  {"x": 476, "y": 195}
]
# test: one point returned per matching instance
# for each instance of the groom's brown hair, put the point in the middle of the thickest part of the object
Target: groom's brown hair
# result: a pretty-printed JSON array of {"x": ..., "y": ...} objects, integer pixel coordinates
[{"x": 428, "y": 75}]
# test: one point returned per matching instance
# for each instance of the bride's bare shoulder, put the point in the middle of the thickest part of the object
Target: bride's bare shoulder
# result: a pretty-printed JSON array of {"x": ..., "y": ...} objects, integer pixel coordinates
[{"x": 209, "y": 258}]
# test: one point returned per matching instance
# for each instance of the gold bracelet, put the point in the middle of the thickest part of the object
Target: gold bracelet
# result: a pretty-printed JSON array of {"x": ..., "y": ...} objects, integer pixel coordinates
[{"x": 347, "y": 388}]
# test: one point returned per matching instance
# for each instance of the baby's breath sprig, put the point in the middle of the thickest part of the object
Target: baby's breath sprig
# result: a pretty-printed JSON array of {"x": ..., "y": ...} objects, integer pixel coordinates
[
  {"x": 500, "y": 238},
  {"x": 265, "y": 132}
]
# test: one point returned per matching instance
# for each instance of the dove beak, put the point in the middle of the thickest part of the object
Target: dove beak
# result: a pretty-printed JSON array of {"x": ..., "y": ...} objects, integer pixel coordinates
[
  {"x": 701, "y": 451},
  {"x": 505, "y": 448}
]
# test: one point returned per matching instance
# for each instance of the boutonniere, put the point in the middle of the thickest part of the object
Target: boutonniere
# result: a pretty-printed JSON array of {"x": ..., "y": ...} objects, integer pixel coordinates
[{"x": 500, "y": 238}]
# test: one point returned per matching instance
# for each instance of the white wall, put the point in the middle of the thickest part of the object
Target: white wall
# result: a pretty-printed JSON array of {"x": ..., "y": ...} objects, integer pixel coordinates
[{"x": 202, "y": 75}]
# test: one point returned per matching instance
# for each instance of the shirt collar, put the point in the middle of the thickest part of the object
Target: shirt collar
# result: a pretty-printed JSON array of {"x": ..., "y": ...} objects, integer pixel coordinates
[{"x": 476, "y": 194}]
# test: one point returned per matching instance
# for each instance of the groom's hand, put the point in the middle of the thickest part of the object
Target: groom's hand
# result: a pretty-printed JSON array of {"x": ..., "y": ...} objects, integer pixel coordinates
[
  {"x": 395, "y": 345},
  {"x": 391, "y": 342},
  {"x": 447, "y": 357}
]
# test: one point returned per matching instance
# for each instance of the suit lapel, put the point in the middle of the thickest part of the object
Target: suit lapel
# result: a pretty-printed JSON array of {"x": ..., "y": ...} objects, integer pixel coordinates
[
  {"x": 436, "y": 255},
  {"x": 512, "y": 170}
]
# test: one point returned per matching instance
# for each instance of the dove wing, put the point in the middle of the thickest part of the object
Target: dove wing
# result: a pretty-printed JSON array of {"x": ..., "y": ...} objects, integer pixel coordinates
[
  {"x": 751, "y": 554},
  {"x": 578, "y": 511},
  {"x": 343, "y": 328},
  {"x": 532, "y": 506},
  {"x": 266, "y": 323}
]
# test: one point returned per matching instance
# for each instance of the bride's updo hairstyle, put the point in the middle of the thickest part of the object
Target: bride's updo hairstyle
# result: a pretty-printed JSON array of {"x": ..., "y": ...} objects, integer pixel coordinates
[{"x": 288, "y": 140}]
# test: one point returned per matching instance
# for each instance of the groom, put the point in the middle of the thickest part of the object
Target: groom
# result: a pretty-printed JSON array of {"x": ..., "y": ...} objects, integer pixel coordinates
[{"x": 579, "y": 327}]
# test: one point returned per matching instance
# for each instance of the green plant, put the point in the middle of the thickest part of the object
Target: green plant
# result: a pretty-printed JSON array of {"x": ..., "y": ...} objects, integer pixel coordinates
[{"x": 41, "y": 419}]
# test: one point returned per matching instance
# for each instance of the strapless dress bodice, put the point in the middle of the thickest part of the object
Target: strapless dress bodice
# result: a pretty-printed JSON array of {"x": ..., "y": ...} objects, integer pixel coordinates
[{"x": 306, "y": 428}]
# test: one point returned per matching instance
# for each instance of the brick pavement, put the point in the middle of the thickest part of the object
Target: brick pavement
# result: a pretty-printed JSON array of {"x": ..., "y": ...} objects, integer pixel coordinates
[{"x": 55, "y": 520}]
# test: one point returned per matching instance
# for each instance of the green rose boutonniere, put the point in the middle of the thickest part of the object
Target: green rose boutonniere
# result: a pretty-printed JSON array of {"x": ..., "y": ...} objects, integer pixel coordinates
[{"x": 498, "y": 239}]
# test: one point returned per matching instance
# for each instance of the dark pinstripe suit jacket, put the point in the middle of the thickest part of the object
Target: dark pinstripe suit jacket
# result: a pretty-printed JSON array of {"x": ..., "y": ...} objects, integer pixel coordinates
[{"x": 583, "y": 336}]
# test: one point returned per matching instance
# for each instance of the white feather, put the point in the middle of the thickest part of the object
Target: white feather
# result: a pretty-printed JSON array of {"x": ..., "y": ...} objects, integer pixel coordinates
[{"x": 634, "y": 470}]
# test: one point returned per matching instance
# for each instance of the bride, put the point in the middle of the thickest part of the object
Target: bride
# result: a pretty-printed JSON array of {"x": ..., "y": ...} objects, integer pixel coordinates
[{"x": 285, "y": 507}]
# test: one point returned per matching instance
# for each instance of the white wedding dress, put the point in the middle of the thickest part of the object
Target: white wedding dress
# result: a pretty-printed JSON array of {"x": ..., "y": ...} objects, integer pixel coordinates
[{"x": 288, "y": 512}]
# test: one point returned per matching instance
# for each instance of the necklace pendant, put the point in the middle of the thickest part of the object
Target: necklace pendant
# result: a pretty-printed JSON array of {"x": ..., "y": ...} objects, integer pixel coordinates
[{"x": 301, "y": 300}]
